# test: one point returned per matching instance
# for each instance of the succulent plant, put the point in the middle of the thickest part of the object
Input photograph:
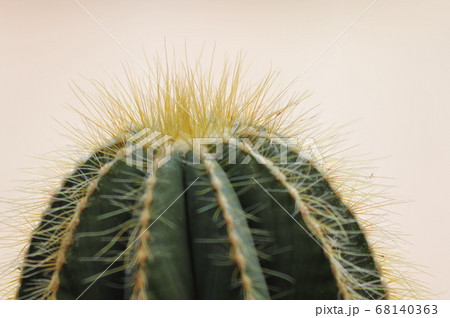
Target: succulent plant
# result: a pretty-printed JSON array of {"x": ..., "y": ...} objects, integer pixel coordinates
[{"x": 195, "y": 190}]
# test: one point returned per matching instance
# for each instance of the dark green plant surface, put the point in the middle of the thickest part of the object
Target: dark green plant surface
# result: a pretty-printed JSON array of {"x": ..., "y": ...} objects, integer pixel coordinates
[{"x": 262, "y": 229}]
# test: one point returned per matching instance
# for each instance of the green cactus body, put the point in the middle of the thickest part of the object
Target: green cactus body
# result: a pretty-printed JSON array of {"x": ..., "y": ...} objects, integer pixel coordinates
[
  {"x": 196, "y": 225},
  {"x": 209, "y": 230}
]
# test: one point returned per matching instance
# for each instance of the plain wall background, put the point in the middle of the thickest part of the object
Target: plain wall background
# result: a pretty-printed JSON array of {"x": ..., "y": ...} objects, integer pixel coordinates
[{"x": 388, "y": 75}]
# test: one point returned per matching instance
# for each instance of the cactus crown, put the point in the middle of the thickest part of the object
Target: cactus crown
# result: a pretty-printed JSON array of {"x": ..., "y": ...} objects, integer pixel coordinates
[{"x": 156, "y": 212}]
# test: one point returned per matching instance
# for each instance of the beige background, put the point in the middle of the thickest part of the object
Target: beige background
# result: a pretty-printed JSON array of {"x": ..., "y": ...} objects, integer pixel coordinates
[{"x": 388, "y": 75}]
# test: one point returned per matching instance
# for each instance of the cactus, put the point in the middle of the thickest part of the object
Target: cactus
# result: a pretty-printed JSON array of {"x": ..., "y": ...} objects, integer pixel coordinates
[{"x": 242, "y": 214}]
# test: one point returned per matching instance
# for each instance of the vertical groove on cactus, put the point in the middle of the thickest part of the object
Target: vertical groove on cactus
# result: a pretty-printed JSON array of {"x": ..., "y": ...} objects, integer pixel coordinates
[
  {"x": 242, "y": 246},
  {"x": 72, "y": 225},
  {"x": 214, "y": 269},
  {"x": 331, "y": 223},
  {"x": 159, "y": 259},
  {"x": 223, "y": 249},
  {"x": 44, "y": 257},
  {"x": 286, "y": 251},
  {"x": 181, "y": 222},
  {"x": 98, "y": 238},
  {"x": 140, "y": 237}
]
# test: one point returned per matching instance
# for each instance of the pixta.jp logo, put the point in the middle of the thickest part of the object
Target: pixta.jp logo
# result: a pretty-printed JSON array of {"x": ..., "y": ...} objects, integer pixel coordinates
[{"x": 145, "y": 150}]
